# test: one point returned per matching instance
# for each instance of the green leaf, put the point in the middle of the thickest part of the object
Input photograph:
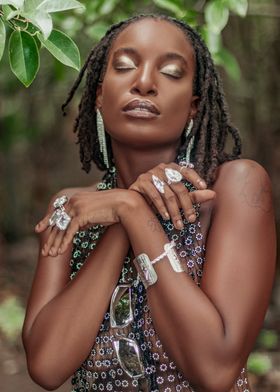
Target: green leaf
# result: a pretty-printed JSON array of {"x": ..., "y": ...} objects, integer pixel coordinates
[
  {"x": 15, "y": 3},
  {"x": 240, "y": 7},
  {"x": 229, "y": 62},
  {"x": 23, "y": 56},
  {"x": 48, "y": 6},
  {"x": 6, "y": 11},
  {"x": 40, "y": 19},
  {"x": 213, "y": 40},
  {"x": 107, "y": 6},
  {"x": 63, "y": 48},
  {"x": 2, "y": 37},
  {"x": 259, "y": 364},
  {"x": 170, "y": 6},
  {"x": 216, "y": 15},
  {"x": 97, "y": 30},
  {"x": 11, "y": 317}
]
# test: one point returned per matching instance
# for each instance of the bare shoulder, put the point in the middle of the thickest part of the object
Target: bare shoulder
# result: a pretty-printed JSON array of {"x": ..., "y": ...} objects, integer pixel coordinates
[{"x": 246, "y": 182}]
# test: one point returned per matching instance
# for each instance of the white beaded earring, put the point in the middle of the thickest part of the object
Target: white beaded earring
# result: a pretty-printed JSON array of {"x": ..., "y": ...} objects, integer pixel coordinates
[
  {"x": 102, "y": 137},
  {"x": 190, "y": 144}
]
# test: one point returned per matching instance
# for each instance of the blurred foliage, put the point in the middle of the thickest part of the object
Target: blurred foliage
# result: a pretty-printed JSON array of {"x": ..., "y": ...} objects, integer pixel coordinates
[
  {"x": 268, "y": 339},
  {"x": 11, "y": 318},
  {"x": 29, "y": 25},
  {"x": 259, "y": 364}
]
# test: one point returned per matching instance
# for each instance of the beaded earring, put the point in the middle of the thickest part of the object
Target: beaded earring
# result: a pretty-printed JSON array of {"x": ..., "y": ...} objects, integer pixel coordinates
[
  {"x": 102, "y": 137},
  {"x": 190, "y": 144}
]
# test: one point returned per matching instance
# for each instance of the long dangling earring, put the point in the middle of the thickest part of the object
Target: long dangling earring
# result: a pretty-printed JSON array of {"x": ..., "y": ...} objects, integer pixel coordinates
[
  {"x": 102, "y": 137},
  {"x": 190, "y": 144}
]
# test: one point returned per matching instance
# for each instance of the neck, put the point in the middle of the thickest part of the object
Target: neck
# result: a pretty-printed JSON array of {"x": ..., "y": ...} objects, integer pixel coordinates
[{"x": 131, "y": 162}]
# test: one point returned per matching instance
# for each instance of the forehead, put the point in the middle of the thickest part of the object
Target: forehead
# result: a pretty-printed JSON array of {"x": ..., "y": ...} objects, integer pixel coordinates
[{"x": 154, "y": 36}]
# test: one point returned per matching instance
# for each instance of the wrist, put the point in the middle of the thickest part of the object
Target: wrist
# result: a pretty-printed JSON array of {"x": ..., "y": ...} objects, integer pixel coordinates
[{"x": 129, "y": 203}]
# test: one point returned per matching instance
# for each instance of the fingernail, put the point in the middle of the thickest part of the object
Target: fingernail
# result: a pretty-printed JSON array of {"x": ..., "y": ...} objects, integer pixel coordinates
[
  {"x": 202, "y": 183},
  {"x": 167, "y": 216},
  {"x": 179, "y": 224},
  {"x": 192, "y": 218},
  {"x": 51, "y": 251}
]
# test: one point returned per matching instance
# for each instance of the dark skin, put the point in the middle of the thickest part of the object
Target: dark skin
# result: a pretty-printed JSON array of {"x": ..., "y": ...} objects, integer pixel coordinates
[{"x": 236, "y": 216}]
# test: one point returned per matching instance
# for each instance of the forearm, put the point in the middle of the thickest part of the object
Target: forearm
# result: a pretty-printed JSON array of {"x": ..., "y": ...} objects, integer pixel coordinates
[
  {"x": 182, "y": 313},
  {"x": 74, "y": 316}
]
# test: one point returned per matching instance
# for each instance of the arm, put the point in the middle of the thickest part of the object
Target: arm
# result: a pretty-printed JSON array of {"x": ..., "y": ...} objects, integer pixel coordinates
[
  {"x": 224, "y": 316},
  {"x": 72, "y": 310}
]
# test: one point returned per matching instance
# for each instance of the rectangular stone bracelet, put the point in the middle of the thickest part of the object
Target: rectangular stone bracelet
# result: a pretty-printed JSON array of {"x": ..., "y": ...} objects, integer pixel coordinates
[{"x": 145, "y": 269}]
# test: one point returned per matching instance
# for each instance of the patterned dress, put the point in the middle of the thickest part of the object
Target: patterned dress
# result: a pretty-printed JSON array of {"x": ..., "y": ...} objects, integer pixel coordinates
[{"x": 101, "y": 370}]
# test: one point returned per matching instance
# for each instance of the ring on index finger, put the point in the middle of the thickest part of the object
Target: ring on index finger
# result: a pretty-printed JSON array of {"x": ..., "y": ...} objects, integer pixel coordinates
[{"x": 173, "y": 176}]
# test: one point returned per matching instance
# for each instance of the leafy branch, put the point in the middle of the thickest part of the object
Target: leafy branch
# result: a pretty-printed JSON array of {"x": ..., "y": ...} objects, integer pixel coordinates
[{"x": 30, "y": 25}]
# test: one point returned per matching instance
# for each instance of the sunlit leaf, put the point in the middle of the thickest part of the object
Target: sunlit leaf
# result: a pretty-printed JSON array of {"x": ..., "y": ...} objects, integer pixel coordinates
[
  {"x": 226, "y": 59},
  {"x": 23, "y": 56},
  {"x": 63, "y": 48},
  {"x": 170, "y": 6},
  {"x": 216, "y": 16},
  {"x": 15, "y": 3},
  {"x": 42, "y": 20},
  {"x": 2, "y": 38},
  {"x": 59, "y": 5},
  {"x": 11, "y": 317},
  {"x": 259, "y": 364},
  {"x": 240, "y": 7},
  {"x": 107, "y": 6},
  {"x": 213, "y": 40}
]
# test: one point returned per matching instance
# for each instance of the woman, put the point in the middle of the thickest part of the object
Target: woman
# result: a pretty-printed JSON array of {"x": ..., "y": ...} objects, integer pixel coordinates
[{"x": 137, "y": 314}]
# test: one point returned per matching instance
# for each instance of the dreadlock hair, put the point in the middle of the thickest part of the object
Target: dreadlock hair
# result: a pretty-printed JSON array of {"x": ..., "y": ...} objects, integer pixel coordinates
[{"x": 211, "y": 125}]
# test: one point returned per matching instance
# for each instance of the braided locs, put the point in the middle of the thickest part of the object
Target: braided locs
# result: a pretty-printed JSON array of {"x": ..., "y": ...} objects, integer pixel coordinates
[{"x": 211, "y": 123}]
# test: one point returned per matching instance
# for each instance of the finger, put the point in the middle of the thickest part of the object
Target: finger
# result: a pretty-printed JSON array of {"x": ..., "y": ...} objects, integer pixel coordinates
[
  {"x": 43, "y": 224},
  {"x": 56, "y": 243},
  {"x": 185, "y": 200},
  {"x": 191, "y": 175},
  {"x": 172, "y": 203},
  {"x": 201, "y": 196},
  {"x": 50, "y": 240},
  {"x": 137, "y": 189},
  {"x": 69, "y": 234},
  {"x": 155, "y": 197}
]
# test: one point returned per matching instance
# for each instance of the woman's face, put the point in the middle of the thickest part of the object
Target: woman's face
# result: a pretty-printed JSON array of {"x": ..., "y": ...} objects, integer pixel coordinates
[{"x": 146, "y": 95}]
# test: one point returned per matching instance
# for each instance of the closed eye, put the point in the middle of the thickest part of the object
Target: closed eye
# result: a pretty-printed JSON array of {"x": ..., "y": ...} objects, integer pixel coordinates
[{"x": 172, "y": 70}]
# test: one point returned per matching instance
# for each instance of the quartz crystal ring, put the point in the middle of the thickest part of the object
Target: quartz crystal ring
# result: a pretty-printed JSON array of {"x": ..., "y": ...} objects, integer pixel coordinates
[
  {"x": 60, "y": 201},
  {"x": 60, "y": 219},
  {"x": 173, "y": 176},
  {"x": 184, "y": 164},
  {"x": 158, "y": 183}
]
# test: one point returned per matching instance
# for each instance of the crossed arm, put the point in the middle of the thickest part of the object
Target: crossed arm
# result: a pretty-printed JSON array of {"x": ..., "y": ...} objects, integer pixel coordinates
[{"x": 222, "y": 317}]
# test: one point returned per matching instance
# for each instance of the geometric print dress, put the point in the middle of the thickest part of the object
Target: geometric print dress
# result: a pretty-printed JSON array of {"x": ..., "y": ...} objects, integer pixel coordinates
[{"x": 101, "y": 370}]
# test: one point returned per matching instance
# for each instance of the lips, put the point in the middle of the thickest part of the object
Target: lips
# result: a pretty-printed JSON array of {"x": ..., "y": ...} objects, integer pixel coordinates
[{"x": 140, "y": 105}]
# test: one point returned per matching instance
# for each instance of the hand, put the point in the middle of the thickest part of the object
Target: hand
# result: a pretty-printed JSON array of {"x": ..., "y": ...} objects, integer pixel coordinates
[
  {"x": 175, "y": 195},
  {"x": 85, "y": 209}
]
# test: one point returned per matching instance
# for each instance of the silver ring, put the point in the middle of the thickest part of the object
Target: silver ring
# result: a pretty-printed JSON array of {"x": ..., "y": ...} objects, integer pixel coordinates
[
  {"x": 60, "y": 201},
  {"x": 188, "y": 165},
  {"x": 173, "y": 176},
  {"x": 158, "y": 183},
  {"x": 63, "y": 221}
]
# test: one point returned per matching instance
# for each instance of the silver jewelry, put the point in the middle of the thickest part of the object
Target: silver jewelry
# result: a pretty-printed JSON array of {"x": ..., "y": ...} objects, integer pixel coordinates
[
  {"x": 167, "y": 248},
  {"x": 145, "y": 270},
  {"x": 60, "y": 201},
  {"x": 59, "y": 217},
  {"x": 190, "y": 144},
  {"x": 102, "y": 137},
  {"x": 187, "y": 165},
  {"x": 158, "y": 183},
  {"x": 173, "y": 176}
]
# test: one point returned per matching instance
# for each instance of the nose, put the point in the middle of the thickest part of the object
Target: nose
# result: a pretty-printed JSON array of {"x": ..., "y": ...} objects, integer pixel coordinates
[{"x": 144, "y": 83}]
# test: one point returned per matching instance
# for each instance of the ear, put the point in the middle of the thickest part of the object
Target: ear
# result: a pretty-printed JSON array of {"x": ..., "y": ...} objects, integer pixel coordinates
[
  {"x": 99, "y": 96},
  {"x": 194, "y": 105}
]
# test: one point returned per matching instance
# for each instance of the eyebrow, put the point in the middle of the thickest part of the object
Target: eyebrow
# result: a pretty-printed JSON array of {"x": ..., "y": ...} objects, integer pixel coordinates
[{"x": 168, "y": 55}]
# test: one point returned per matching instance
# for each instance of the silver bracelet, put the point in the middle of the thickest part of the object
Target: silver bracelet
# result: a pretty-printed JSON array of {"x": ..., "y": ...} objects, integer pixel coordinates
[
  {"x": 167, "y": 247},
  {"x": 144, "y": 265}
]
